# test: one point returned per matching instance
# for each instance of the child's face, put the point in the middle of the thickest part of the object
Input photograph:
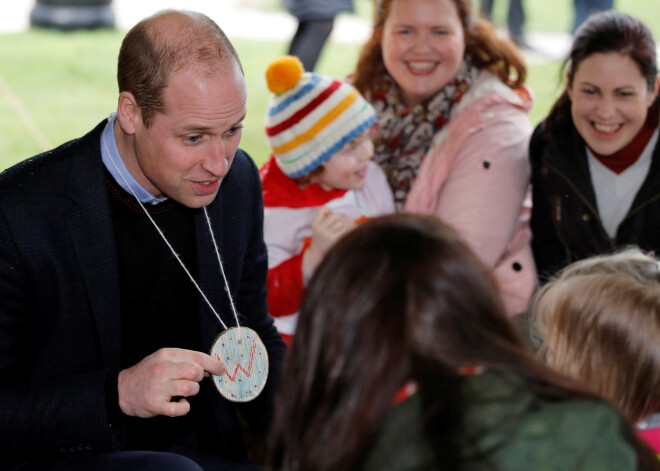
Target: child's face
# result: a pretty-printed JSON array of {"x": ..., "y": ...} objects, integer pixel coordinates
[{"x": 347, "y": 168}]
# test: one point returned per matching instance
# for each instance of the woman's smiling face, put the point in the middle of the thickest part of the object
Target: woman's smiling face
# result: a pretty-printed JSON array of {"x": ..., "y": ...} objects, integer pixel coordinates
[
  {"x": 609, "y": 101},
  {"x": 423, "y": 45}
]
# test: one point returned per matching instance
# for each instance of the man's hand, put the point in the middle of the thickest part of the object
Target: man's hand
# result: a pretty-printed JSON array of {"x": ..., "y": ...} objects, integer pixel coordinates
[
  {"x": 146, "y": 389},
  {"x": 327, "y": 228}
]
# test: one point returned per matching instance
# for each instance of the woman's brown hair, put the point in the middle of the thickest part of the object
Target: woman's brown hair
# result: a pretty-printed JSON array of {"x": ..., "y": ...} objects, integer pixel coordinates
[
  {"x": 485, "y": 48},
  {"x": 401, "y": 298}
]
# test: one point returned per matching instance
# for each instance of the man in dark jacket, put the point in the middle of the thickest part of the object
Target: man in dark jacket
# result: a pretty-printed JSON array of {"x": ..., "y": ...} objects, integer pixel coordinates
[{"x": 111, "y": 285}]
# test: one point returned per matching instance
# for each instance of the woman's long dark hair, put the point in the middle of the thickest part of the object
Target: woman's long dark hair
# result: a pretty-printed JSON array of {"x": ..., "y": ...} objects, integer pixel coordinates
[
  {"x": 605, "y": 32},
  {"x": 399, "y": 299}
]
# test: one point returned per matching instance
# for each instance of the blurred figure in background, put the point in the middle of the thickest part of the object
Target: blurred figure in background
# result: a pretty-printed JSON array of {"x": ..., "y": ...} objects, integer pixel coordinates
[
  {"x": 315, "y": 21},
  {"x": 584, "y": 8},
  {"x": 515, "y": 20}
]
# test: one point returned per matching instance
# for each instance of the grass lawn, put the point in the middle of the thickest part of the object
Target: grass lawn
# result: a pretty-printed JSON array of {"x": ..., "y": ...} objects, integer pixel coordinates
[{"x": 56, "y": 86}]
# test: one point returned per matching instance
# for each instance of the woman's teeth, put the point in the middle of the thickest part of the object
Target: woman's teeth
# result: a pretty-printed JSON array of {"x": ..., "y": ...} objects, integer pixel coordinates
[
  {"x": 606, "y": 128},
  {"x": 421, "y": 67}
]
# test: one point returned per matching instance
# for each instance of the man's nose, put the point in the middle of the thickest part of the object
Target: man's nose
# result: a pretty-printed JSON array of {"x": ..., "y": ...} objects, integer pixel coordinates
[{"x": 217, "y": 162}]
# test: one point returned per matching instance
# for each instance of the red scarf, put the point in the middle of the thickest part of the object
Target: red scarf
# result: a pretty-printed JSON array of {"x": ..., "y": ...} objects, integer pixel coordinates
[
  {"x": 628, "y": 154},
  {"x": 280, "y": 190}
]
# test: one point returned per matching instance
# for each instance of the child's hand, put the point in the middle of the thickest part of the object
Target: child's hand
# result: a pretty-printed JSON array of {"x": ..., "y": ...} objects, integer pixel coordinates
[{"x": 327, "y": 227}]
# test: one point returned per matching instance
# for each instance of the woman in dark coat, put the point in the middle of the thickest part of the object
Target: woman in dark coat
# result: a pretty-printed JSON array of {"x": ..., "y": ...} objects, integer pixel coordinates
[{"x": 595, "y": 158}]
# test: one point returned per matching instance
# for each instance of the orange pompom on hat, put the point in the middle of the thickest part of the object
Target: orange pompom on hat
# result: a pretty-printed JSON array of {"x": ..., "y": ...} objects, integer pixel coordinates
[{"x": 310, "y": 116}]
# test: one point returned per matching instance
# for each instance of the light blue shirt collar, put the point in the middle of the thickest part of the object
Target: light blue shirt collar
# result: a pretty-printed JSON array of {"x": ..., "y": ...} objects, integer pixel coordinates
[{"x": 115, "y": 165}]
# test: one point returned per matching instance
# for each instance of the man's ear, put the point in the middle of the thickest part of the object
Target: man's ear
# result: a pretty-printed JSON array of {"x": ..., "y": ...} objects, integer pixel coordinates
[{"x": 128, "y": 113}]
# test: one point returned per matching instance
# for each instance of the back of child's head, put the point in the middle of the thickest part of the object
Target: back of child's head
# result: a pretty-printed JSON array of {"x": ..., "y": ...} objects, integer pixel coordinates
[
  {"x": 310, "y": 116},
  {"x": 600, "y": 323}
]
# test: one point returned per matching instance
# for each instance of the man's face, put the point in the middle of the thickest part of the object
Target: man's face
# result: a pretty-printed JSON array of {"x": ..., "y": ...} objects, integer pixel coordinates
[{"x": 188, "y": 150}]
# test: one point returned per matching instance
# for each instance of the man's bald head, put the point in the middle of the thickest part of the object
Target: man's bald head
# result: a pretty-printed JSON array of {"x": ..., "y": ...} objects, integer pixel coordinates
[{"x": 164, "y": 43}]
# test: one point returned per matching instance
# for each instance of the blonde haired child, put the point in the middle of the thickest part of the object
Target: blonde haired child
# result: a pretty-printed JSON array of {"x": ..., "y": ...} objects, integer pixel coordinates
[{"x": 600, "y": 323}]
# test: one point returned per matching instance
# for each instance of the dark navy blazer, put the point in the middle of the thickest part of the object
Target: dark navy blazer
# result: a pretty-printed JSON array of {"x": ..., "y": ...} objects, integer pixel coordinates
[{"x": 59, "y": 299}]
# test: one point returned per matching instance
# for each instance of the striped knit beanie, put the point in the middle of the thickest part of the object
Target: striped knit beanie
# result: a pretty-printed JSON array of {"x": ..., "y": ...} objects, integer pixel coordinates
[{"x": 311, "y": 116}]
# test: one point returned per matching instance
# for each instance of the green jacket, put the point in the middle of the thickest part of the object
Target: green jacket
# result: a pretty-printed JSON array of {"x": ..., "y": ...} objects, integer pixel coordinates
[{"x": 508, "y": 427}]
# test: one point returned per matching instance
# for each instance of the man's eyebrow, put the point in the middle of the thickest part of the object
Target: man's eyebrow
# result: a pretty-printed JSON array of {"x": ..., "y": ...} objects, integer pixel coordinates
[{"x": 195, "y": 128}]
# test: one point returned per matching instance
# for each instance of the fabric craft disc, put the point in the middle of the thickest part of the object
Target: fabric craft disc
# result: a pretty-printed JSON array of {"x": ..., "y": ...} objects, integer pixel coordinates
[{"x": 246, "y": 359}]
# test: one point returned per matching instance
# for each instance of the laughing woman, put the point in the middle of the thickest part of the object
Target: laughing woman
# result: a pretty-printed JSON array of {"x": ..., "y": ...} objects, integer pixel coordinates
[
  {"x": 595, "y": 159},
  {"x": 452, "y": 130}
]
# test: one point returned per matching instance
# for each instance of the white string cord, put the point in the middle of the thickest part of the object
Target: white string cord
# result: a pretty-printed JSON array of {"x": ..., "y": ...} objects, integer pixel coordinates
[
  {"x": 176, "y": 255},
  {"x": 222, "y": 271}
]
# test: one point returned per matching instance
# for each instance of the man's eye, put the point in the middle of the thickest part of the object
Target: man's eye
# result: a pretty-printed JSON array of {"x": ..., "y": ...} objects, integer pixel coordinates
[{"x": 192, "y": 139}]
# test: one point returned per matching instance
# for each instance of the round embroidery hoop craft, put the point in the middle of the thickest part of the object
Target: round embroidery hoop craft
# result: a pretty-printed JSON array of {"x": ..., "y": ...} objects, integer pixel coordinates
[{"x": 246, "y": 359}]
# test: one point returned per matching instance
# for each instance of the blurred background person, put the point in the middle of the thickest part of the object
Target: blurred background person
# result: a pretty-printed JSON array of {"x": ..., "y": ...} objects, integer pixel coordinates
[
  {"x": 404, "y": 359},
  {"x": 584, "y": 8},
  {"x": 452, "y": 130},
  {"x": 595, "y": 172},
  {"x": 315, "y": 21},
  {"x": 600, "y": 323},
  {"x": 515, "y": 20}
]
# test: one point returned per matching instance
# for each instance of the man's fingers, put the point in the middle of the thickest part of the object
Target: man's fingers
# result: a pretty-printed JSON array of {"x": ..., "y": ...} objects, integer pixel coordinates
[
  {"x": 176, "y": 409},
  {"x": 189, "y": 370},
  {"x": 207, "y": 362},
  {"x": 146, "y": 389},
  {"x": 183, "y": 388},
  {"x": 212, "y": 365}
]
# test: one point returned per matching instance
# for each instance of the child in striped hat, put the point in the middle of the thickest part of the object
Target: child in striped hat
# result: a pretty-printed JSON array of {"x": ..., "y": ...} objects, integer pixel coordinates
[{"x": 319, "y": 180}]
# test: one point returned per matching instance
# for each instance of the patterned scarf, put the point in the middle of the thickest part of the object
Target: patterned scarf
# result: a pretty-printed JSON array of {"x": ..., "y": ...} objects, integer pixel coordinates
[{"x": 403, "y": 134}]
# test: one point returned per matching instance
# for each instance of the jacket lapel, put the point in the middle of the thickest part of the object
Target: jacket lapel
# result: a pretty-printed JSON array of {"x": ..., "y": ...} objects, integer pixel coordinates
[{"x": 90, "y": 227}]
